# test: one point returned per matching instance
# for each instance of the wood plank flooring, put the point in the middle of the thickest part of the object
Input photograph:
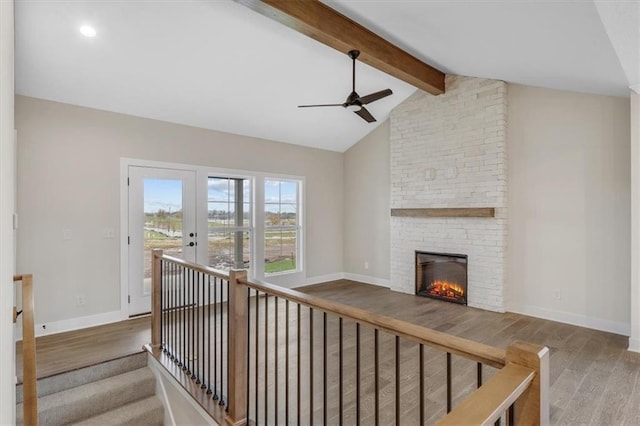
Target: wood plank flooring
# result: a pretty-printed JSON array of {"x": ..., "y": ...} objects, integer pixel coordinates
[{"x": 593, "y": 377}]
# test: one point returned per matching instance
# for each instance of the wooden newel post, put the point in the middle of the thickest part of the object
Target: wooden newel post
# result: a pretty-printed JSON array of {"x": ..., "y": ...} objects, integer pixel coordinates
[
  {"x": 29, "y": 379},
  {"x": 156, "y": 298},
  {"x": 532, "y": 408},
  {"x": 238, "y": 330}
]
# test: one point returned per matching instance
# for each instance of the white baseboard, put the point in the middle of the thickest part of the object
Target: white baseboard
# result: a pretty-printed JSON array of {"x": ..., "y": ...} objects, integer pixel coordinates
[
  {"x": 323, "y": 279},
  {"x": 573, "y": 319},
  {"x": 634, "y": 345},
  {"x": 382, "y": 282},
  {"x": 74, "y": 324}
]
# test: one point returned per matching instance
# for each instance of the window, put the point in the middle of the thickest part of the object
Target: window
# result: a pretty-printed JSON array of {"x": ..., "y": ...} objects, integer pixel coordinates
[
  {"x": 229, "y": 222},
  {"x": 281, "y": 225}
]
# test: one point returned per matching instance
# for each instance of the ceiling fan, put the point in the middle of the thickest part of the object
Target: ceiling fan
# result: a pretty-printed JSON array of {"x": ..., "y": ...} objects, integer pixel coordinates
[{"x": 355, "y": 100}]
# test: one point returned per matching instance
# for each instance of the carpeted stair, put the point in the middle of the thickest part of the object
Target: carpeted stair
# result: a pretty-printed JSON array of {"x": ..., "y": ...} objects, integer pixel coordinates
[{"x": 116, "y": 392}]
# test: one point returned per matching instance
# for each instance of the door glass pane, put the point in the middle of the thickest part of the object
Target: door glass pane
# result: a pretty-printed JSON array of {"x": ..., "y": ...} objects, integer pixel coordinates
[{"x": 162, "y": 221}]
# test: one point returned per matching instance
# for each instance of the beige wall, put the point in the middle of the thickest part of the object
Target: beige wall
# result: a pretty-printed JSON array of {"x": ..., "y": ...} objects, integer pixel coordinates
[
  {"x": 569, "y": 207},
  {"x": 366, "y": 213},
  {"x": 69, "y": 168}
]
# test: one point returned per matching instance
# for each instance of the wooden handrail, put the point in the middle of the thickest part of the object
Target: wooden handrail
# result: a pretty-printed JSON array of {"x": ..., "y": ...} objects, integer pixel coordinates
[
  {"x": 523, "y": 383},
  {"x": 200, "y": 268},
  {"x": 475, "y": 351},
  {"x": 490, "y": 401},
  {"x": 29, "y": 377}
]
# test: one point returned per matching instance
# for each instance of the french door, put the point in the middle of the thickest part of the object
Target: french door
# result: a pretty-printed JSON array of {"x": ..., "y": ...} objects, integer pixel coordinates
[{"x": 162, "y": 214}]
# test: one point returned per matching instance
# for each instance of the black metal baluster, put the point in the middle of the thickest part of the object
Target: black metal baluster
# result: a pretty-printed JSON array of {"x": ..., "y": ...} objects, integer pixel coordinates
[
  {"x": 397, "y": 380},
  {"x": 193, "y": 325},
  {"x": 357, "y": 373},
  {"x": 183, "y": 317},
  {"x": 286, "y": 365},
  {"x": 448, "y": 382},
  {"x": 197, "y": 356},
  {"x": 376, "y": 363},
  {"x": 421, "y": 385},
  {"x": 216, "y": 281},
  {"x": 187, "y": 357},
  {"x": 203, "y": 326},
  {"x": 324, "y": 368},
  {"x": 479, "y": 374},
  {"x": 187, "y": 315},
  {"x": 311, "y": 366},
  {"x": 511, "y": 415},
  {"x": 248, "y": 407},
  {"x": 257, "y": 350},
  {"x": 299, "y": 363},
  {"x": 222, "y": 340},
  {"x": 209, "y": 391},
  {"x": 266, "y": 358},
  {"x": 340, "y": 370},
  {"x": 174, "y": 287},
  {"x": 172, "y": 322},
  {"x": 275, "y": 411},
  {"x": 227, "y": 357}
]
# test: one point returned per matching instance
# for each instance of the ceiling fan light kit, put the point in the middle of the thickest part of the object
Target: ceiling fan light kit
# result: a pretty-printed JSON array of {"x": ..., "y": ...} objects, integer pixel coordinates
[{"x": 354, "y": 100}]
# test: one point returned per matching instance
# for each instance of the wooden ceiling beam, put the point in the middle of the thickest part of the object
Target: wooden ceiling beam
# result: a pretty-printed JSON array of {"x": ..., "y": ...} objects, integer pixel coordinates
[{"x": 324, "y": 24}]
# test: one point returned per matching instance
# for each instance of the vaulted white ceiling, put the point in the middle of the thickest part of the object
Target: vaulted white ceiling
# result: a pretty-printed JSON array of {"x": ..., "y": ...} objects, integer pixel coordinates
[{"x": 218, "y": 65}]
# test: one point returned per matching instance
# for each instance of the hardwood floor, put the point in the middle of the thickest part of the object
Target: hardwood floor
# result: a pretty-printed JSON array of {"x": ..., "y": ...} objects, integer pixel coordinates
[{"x": 593, "y": 377}]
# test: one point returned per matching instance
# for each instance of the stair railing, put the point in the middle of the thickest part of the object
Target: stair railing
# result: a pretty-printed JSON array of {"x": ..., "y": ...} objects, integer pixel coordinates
[
  {"x": 190, "y": 322},
  {"x": 296, "y": 358},
  {"x": 29, "y": 377}
]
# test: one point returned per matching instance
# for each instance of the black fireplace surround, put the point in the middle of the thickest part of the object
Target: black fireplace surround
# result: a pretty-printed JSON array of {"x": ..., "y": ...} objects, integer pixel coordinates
[{"x": 442, "y": 276}]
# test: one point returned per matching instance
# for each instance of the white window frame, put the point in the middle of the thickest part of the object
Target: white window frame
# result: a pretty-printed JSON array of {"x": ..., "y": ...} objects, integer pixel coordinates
[
  {"x": 287, "y": 279},
  {"x": 298, "y": 227},
  {"x": 250, "y": 228}
]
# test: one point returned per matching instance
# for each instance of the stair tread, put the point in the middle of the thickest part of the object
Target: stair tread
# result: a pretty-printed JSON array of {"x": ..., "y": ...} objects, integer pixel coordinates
[
  {"x": 148, "y": 411},
  {"x": 84, "y": 375},
  {"x": 94, "y": 398}
]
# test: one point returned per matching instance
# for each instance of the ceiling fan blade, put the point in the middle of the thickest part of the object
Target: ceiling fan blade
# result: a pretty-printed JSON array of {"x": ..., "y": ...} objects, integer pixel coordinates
[
  {"x": 322, "y": 105},
  {"x": 375, "y": 96},
  {"x": 365, "y": 115}
]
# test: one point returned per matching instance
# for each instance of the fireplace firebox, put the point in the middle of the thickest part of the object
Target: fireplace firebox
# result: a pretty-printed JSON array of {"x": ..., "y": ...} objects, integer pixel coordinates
[{"x": 442, "y": 276}]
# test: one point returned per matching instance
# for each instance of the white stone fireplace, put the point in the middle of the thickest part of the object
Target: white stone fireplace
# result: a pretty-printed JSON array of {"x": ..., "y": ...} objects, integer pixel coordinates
[{"x": 450, "y": 151}]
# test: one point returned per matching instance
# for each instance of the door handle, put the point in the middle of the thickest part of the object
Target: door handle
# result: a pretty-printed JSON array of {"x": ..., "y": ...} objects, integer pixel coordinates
[{"x": 191, "y": 244}]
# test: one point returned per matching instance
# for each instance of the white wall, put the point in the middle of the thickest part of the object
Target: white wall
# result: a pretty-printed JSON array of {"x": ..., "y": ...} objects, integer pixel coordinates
[
  {"x": 366, "y": 212},
  {"x": 569, "y": 207},
  {"x": 69, "y": 165},
  {"x": 7, "y": 184}
]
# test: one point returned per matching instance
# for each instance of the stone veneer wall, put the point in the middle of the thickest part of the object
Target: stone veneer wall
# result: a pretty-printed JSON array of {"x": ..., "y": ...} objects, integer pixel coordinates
[{"x": 451, "y": 151}]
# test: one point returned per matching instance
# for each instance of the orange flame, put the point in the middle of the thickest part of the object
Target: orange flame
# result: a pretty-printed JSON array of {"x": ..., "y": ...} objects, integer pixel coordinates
[{"x": 446, "y": 289}]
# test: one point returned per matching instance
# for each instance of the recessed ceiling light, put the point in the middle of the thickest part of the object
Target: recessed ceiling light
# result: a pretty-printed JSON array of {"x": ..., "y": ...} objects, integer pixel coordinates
[{"x": 87, "y": 31}]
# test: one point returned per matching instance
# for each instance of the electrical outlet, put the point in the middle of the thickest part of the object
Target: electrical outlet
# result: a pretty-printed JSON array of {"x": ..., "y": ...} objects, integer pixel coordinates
[
  {"x": 108, "y": 233},
  {"x": 66, "y": 234},
  {"x": 80, "y": 301},
  {"x": 366, "y": 265},
  {"x": 557, "y": 294}
]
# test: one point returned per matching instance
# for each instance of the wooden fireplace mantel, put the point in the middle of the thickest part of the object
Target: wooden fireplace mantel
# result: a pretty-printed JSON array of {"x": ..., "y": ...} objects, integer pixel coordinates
[{"x": 446, "y": 212}]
